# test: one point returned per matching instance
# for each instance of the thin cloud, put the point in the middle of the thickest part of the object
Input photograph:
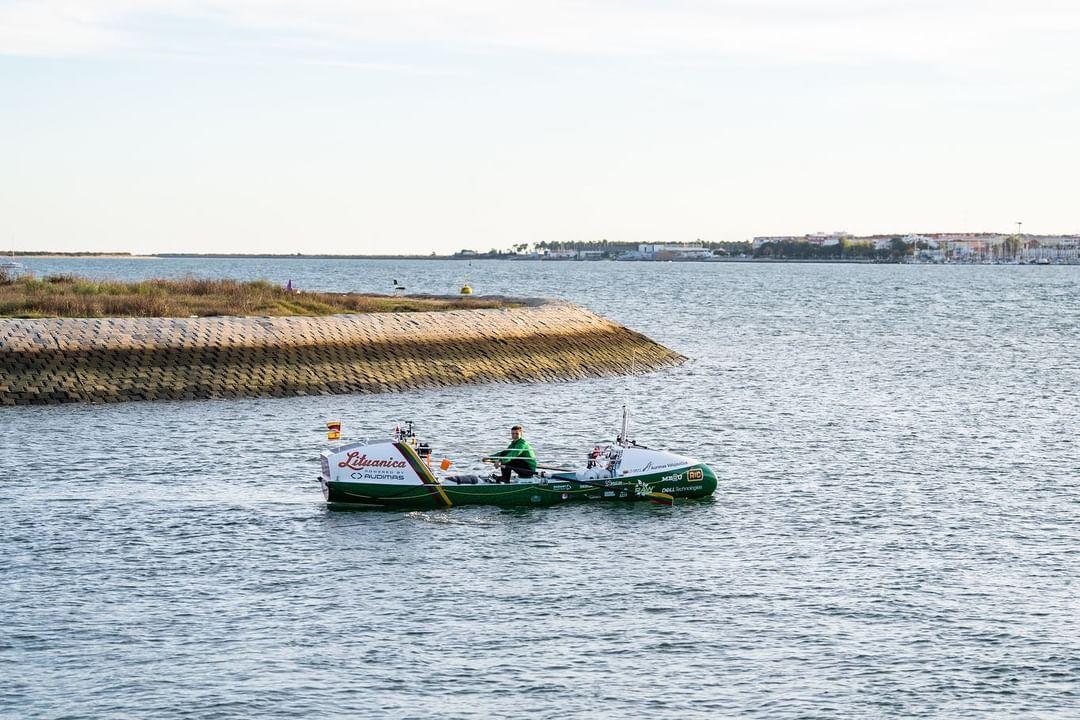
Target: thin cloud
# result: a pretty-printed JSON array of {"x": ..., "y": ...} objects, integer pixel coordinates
[{"x": 960, "y": 34}]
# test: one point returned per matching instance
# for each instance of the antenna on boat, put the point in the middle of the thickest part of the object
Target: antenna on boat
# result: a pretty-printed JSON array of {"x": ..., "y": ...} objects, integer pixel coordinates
[{"x": 623, "y": 440}]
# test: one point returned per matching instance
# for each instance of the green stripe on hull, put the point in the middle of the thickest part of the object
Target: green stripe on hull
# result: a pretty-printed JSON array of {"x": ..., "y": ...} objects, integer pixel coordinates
[{"x": 554, "y": 492}]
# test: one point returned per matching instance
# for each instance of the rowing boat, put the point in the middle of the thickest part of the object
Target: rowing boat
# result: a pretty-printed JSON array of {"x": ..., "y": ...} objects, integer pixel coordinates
[{"x": 398, "y": 473}]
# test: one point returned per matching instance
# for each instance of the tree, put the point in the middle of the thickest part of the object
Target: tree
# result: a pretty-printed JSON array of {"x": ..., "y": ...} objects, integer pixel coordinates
[
  {"x": 1012, "y": 245},
  {"x": 898, "y": 248}
]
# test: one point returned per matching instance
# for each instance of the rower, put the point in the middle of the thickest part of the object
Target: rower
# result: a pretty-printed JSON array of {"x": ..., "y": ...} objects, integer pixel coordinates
[{"x": 517, "y": 457}]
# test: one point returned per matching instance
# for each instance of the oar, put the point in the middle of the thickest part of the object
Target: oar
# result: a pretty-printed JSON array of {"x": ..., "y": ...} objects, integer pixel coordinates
[
  {"x": 657, "y": 497},
  {"x": 539, "y": 466}
]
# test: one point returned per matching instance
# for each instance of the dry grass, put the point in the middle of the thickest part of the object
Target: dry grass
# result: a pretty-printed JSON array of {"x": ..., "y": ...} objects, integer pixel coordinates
[{"x": 71, "y": 296}]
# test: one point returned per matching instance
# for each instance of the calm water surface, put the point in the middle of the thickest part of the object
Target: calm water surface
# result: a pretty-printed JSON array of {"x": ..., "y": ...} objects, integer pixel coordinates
[{"x": 896, "y": 532}]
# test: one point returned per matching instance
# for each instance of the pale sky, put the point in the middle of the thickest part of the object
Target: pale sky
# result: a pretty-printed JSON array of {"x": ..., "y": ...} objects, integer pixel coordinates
[{"x": 342, "y": 126}]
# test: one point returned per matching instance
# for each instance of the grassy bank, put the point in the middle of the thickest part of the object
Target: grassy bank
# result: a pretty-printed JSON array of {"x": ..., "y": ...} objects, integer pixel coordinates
[{"x": 73, "y": 296}]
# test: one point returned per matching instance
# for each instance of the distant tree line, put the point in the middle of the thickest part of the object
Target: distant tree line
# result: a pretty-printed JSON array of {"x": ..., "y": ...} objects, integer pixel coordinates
[
  {"x": 731, "y": 248},
  {"x": 843, "y": 250},
  {"x": 604, "y": 246},
  {"x": 607, "y": 248},
  {"x": 57, "y": 253}
]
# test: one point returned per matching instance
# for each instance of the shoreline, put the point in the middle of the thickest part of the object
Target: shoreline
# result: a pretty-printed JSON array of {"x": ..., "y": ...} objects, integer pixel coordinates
[
  {"x": 77, "y": 256},
  {"x": 510, "y": 258}
]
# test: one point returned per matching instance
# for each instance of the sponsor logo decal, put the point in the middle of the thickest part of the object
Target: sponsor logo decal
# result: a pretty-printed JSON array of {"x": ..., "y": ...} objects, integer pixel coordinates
[
  {"x": 694, "y": 474},
  {"x": 380, "y": 476},
  {"x": 355, "y": 461},
  {"x": 649, "y": 466}
]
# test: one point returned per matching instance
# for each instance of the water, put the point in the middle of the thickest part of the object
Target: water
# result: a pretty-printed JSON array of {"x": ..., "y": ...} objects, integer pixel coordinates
[{"x": 895, "y": 534}]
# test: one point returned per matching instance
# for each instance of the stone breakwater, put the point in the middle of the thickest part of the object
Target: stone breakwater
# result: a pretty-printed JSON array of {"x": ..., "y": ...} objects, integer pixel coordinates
[{"x": 51, "y": 361}]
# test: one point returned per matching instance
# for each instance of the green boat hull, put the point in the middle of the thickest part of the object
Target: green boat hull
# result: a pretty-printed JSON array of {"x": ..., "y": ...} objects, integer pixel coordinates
[{"x": 695, "y": 481}]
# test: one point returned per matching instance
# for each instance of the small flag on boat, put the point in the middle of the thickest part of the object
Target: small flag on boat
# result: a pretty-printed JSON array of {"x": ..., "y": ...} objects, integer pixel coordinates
[{"x": 333, "y": 430}]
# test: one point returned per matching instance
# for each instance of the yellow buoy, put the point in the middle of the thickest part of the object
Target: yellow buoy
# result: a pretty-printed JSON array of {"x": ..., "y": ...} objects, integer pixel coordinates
[{"x": 466, "y": 290}]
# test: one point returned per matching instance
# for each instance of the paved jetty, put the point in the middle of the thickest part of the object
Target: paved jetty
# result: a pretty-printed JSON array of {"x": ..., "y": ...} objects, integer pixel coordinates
[{"x": 65, "y": 360}]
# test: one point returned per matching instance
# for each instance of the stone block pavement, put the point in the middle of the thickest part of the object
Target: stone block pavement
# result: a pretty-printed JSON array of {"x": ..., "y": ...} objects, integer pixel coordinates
[{"x": 50, "y": 361}]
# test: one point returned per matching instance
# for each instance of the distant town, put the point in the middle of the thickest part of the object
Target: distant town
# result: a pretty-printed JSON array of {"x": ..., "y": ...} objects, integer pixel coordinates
[
  {"x": 972, "y": 248},
  {"x": 1017, "y": 248}
]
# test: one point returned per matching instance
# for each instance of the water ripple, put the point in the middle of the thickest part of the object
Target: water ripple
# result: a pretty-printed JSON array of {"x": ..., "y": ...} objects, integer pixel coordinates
[{"x": 895, "y": 535}]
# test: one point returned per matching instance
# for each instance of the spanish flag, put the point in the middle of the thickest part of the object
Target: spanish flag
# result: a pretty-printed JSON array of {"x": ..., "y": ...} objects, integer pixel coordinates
[{"x": 333, "y": 430}]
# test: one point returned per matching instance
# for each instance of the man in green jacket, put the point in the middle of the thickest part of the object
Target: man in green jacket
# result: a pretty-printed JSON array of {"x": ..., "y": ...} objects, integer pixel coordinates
[{"x": 518, "y": 457}]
